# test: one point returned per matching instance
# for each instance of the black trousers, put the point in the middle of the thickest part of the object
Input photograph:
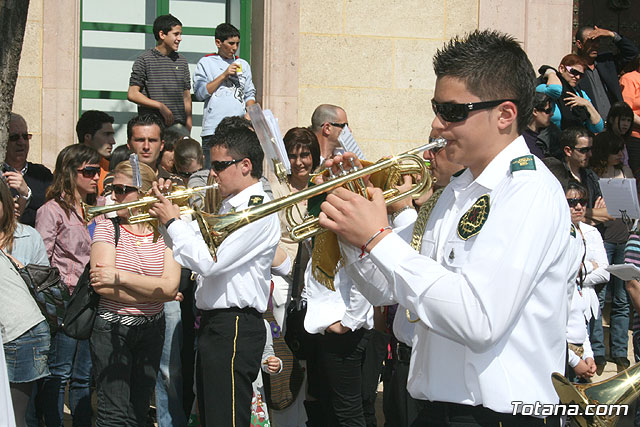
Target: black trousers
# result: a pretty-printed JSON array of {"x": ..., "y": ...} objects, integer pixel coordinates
[
  {"x": 230, "y": 345},
  {"x": 372, "y": 366},
  {"x": 335, "y": 379},
  {"x": 441, "y": 414},
  {"x": 401, "y": 410}
]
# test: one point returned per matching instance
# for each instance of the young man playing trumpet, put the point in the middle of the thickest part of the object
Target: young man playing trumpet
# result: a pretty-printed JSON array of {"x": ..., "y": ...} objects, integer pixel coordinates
[
  {"x": 232, "y": 290},
  {"x": 489, "y": 282}
]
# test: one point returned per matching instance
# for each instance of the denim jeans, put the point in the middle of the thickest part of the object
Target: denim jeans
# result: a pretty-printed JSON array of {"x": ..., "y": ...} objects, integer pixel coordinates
[
  {"x": 125, "y": 360},
  {"x": 618, "y": 330},
  {"x": 26, "y": 356},
  {"x": 69, "y": 359},
  {"x": 169, "y": 410},
  {"x": 206, "y": 149}
]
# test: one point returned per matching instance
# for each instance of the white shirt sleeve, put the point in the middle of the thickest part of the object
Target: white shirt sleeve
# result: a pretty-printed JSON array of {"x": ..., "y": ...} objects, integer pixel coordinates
[
  {"x": 238, "y": 249},
  {"x": 596, "y": 252},
  {"x": 479, "y": 303}
]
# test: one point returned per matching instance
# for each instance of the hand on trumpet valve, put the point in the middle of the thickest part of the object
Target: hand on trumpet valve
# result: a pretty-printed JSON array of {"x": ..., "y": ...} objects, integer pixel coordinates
[
  {"x": 407, "y": 183},
  {"x": 338, "y": 165},
  {"x": 355, "y": 219},
  {"x": 164, "y": 210},
  {"x": 164, "y": 185}
]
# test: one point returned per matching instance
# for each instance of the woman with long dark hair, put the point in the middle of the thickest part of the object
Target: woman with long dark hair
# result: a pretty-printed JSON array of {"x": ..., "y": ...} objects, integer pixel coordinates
[
  {"x": 66, "y": 238},
  {"x": 573, "y": 106}
]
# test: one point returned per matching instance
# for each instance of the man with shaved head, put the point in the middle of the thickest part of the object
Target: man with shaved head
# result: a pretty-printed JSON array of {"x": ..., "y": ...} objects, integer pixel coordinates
[{"x": 327, "y": 122}]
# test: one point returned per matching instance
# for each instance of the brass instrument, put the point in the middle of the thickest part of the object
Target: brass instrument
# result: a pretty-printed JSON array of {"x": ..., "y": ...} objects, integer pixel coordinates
[
  {"x": 179, "y": 196},
  {"x": 622, "y": 389},
  {"x": 215, "y": 228}
]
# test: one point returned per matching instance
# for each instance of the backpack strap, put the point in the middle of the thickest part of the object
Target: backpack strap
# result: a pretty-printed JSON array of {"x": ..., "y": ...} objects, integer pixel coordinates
[{"x": 116, "y": 229}]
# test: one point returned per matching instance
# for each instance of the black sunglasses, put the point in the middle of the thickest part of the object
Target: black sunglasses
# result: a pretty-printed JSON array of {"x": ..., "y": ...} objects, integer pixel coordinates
[
  {"x": 458, "y": 112},
  {"x": 339, "y": 125},
  {"x": 16, "y": 136},
  {"x": 90, "y": 171},
  {"x": 574, "y": 202},
  {"x": 583, "y": 150},
  {"x": 220, "y": 165},
  {"x": 575, "y": 72},
  {"x": 122, "y": 189},
  {"x": 548, "y": 110}
]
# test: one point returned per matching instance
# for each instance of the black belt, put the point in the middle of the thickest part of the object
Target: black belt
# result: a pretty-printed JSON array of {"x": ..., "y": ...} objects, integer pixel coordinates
[
  {"x": 442, "y": 413},
  {"x": 403, "y": 352},
  {"x": 231, "y": 310}
]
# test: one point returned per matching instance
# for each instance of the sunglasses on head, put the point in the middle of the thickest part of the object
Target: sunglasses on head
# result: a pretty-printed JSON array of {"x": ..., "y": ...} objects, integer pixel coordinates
[
  {"x": 90, "y": 171},
  {"x": 583, "y": 150},
  {"x": 452, "y": 113},
  {"x": 16, "y": 136},
  {"x": 122, "y": 189},
  {"x": 548, "y": 110},
  {"x": 574, "y": 72},
  {"x": 220, "y": 165},
  {"x": 574, "y": 202}
]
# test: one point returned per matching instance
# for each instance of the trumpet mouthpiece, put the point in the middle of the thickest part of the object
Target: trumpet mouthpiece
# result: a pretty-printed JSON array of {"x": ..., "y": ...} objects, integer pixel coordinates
[{"x": 438, "y": 140}]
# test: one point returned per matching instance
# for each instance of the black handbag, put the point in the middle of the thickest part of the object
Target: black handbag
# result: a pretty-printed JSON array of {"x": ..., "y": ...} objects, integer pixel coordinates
[
  {"x": 296, "y": 337},
  {"x": 83, "y": 307},
  {"x": 48, "y": 290}
]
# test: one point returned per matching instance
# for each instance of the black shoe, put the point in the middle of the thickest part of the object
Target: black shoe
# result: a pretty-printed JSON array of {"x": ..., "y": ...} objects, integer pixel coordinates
[
  {"x": 622, "y": 363},
  {"x": 601, "y": 362}
]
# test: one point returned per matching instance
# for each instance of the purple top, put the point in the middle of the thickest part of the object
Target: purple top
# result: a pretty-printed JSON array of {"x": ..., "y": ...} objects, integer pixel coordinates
[{"x": 66, "y": 239}]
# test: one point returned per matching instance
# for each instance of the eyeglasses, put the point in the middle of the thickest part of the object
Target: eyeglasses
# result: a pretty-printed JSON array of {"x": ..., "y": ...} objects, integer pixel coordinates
[
  {"x": 574, "y": 72},
  {"x": 458, "y": 112},
  {"x": 583, "y": 150},
  {"x": 90, "y": 171},
  {"x": 122, "y": 189},
  {"x": 574, "y": 202},
  {"x": 339, "y": 125},
  {"x": 16, "y": 136},
  {"x": 220, "y": 165}
]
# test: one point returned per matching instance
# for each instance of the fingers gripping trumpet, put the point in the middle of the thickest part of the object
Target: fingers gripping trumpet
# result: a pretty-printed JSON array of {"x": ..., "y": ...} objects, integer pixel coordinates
[{"x": 215, "y": 228}]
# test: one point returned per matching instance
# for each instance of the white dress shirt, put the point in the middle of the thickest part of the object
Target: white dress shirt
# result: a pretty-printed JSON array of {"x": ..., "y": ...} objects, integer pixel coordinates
[
  {"x": 241, "y": 275},
  {"x": 493, "y": 309},
  {"x": 595, "y": 252}
]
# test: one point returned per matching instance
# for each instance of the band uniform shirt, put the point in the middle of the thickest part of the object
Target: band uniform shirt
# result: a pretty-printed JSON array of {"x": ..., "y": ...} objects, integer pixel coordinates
[
  {"x": 492, "y": 307},
  {"x": 240, "y": 277}
]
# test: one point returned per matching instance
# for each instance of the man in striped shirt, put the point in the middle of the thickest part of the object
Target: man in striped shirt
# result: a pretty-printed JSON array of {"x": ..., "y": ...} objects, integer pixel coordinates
[{"x": 160, "y": 83}]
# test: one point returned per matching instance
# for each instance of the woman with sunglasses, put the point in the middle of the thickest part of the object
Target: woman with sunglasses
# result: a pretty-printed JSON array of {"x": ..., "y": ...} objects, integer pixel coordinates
[
  {"x": 584, "y": 305},
  {"x": 607, "y": 162},
  {"x": 134, "y": 277},
  {"x": 573, "y": 106},
  {"x": 68, "y": 243}
]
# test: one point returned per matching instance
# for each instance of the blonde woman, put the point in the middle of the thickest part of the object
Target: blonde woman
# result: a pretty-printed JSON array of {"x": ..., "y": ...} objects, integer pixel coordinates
[{"x": 134, "y": 278}]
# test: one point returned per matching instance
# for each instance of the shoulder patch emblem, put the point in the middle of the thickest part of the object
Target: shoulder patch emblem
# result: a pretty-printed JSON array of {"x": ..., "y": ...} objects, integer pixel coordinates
[
  {"x": 573, "y": 231},
  {"x": 472, "y": 221},
  {"x": 523, "y": 163},
  {"x": 255, "y": 200}
]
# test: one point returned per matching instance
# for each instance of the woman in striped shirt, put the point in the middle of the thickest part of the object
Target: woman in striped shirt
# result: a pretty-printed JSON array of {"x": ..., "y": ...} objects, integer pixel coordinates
[{"x": 134, "y": 276}]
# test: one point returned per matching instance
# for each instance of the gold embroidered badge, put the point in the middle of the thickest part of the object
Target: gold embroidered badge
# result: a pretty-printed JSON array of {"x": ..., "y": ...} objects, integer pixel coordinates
[{"x": 473, "y": 220}]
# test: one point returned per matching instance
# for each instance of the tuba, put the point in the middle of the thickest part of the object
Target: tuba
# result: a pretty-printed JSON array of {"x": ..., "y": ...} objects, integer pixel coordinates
[
  {"x": 622, "y": 389},
  {"x": 215, "y": 228}
]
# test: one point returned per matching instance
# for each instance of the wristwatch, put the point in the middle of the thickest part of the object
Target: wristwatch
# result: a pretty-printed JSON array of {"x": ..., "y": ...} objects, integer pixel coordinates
[
  {"x": 168, "y": 223},
  {"x": 28, "y": 196}
]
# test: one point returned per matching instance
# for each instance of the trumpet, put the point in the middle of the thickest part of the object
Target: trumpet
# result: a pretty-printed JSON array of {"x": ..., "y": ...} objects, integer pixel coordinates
[
  {"x": 179, "y": 196},
  {"x": 216, "y": 228}
]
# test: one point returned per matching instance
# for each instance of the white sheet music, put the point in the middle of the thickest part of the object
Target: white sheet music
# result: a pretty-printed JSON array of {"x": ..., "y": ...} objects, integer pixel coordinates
[
  {"x": 349, "y": 143},
  {"x": 624, "y": 271},
  {"x": 621, "y": 197}
]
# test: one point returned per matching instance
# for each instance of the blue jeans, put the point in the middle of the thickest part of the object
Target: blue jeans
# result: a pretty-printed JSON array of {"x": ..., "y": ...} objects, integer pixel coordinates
[
  {"x": 26, "y": 356},
  {"x": 69, "y": 359},
  {"x": 206, "y": 150},
  {"x": 169, "y": 409},
  {"x": 618, "y": 330}
]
